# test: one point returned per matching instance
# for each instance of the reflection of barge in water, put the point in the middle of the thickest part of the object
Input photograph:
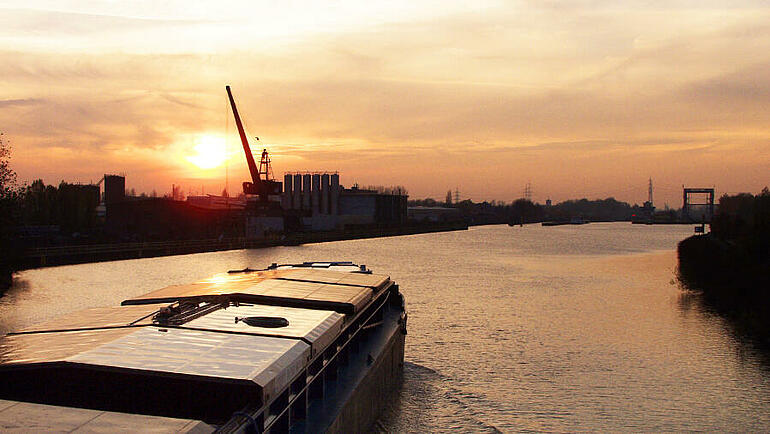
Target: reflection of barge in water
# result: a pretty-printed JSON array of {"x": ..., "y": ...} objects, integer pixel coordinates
[{"x": 303, "y": 348}]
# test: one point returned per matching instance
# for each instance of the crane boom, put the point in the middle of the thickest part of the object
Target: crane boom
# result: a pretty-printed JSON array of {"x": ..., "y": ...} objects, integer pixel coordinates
[{"x": 246, "y": 149}]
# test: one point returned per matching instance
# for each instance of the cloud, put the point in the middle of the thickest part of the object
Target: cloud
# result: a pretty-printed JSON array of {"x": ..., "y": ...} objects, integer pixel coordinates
[
  {"x": 20, "y": 102},
  {"x": 52, "y": 23},
  {"x": 746, "y": 88},
  {"x": 506, "y": 92}
]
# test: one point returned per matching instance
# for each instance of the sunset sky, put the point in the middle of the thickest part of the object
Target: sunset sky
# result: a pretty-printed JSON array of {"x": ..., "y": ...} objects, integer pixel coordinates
[{"x": 580, "y": 98}]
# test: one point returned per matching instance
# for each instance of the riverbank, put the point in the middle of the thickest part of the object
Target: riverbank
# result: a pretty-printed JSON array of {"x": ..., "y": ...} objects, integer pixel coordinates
[
  {"x": 730, "y": 266},
  {"x": 733, "y": 280},
  {"x": 78, "y": 254}
]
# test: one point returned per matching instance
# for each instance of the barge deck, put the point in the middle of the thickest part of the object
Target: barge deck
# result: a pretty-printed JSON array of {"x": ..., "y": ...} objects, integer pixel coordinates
[{"x": 292, "y": 348}]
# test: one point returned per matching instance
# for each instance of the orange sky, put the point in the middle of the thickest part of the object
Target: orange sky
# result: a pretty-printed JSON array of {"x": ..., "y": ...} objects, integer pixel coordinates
[{"x": 580, "y": 98}]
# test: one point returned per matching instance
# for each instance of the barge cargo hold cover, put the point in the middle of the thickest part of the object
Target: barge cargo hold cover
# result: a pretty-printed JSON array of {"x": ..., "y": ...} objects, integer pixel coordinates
[{"x": 302, "y": 348}]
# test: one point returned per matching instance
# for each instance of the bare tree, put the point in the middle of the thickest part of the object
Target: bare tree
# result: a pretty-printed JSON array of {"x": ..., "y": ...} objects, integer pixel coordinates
[
  {"x": 10, "y": 200},
  {"x": 7, "y": 175}
]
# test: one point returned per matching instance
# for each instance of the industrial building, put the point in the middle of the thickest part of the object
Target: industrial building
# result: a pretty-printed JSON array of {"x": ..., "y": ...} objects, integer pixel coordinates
[
  {"x": 114, "y": 188},
  {"x": 311, "y": 202},
  {"x": 158, "y": 219},
  {"x": 320, "y": 203},
  {"x": 370, "y": 207}
]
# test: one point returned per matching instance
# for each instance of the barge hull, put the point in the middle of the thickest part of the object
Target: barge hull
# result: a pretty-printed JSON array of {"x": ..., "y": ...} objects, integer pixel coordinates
[{"x": 375, "y": 390}]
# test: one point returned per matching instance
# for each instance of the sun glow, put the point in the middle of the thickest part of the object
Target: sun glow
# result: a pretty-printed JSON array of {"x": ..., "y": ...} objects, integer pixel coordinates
[{"x": 209, "y": 152}]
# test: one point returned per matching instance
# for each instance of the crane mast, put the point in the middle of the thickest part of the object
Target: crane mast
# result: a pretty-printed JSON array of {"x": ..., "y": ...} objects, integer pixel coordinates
[{"x": 246, "y": 149}]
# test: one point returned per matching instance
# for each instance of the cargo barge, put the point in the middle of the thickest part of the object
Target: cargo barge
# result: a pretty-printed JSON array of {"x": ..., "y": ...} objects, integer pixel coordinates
[{"x": 312, "y": 347}]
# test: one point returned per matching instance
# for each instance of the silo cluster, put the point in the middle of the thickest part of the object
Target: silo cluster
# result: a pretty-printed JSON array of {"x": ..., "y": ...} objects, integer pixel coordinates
[{"x": 316, "y": 193}]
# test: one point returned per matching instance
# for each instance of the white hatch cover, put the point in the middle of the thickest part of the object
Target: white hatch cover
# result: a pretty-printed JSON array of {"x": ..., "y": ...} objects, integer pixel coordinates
[{"x": 269, "y": 362}]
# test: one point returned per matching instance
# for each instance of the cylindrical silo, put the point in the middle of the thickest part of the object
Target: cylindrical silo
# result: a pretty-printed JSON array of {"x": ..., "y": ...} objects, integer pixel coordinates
[
  {"x": 286, "y": 197},
  {"x": 334, "y": 196},
  {"x": 325, "y": 193},
  {"x": 306, "y": 191},
  {"x": 296, "y": 201},
  {"x": 316, "y": 194}
]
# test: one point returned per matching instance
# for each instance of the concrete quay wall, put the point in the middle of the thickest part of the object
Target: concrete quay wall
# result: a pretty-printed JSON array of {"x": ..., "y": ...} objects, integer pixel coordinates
[{"x": 78, "y": 254}]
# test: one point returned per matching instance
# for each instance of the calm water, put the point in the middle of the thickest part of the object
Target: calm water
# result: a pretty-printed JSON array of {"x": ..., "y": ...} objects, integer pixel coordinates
[{"x": 568, "y": 328}]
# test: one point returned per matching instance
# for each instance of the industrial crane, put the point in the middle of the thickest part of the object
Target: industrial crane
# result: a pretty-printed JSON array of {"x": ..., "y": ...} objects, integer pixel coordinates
[{"x": 258, "y": 186}]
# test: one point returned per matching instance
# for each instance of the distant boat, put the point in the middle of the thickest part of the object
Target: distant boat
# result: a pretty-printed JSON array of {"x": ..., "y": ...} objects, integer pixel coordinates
[{"x": 572, "y": 221}]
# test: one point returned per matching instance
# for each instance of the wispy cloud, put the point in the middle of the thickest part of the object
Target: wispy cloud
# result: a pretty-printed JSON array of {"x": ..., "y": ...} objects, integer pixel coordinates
[
  {"x": 508, "y": 92},
  {"x": 20, "y": 102},
  {"x": 52, "y": 23}
]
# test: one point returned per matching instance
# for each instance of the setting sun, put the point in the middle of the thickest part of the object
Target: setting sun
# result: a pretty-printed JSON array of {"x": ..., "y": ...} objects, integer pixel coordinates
[{"x": 209, "y": 152}]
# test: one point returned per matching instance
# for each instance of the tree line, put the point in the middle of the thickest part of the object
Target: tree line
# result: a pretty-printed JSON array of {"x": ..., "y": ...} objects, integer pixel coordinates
[{"x": 526, "y": 211}]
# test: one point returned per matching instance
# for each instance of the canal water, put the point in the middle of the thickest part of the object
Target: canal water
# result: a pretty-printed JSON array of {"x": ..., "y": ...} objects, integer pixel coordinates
[{"x": 568, "y": 328}]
